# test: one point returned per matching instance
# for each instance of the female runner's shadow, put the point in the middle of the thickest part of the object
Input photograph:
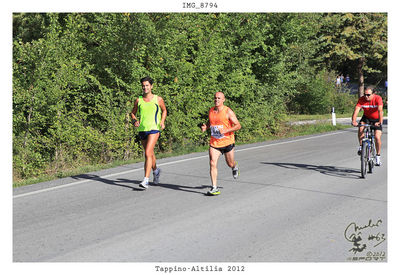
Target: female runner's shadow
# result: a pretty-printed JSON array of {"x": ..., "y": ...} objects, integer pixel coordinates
[
  {"x": 133, "y": 183},
  {"x": 117, "y": 182}
]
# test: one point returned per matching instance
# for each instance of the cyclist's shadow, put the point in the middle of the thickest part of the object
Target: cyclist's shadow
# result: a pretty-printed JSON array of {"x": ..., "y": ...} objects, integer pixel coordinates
[{"x": 334, "y": 171}]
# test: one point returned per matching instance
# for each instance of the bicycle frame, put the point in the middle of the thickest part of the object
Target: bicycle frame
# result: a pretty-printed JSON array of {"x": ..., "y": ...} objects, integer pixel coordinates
[{"x": 368, "y": 149}]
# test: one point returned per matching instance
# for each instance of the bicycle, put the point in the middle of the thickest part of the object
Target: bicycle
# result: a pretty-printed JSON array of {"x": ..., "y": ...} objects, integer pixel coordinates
[{"x": 368, "y": 151}]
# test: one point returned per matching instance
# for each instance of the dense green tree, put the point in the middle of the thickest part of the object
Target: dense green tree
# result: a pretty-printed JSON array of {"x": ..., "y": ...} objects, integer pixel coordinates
[{"x": 358, "y": 37}]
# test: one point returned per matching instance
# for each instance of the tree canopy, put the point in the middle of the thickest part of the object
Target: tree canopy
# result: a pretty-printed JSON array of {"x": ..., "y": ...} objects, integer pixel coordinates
[{"x": 359, "y": 39}]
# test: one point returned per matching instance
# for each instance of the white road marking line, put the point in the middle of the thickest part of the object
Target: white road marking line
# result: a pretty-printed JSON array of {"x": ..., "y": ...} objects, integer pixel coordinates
[{"x": 169, "y": 163}]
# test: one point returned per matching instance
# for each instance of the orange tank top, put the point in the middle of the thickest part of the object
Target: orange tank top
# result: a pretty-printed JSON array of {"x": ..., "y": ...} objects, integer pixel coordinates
[{"x": 219, "y": 120}]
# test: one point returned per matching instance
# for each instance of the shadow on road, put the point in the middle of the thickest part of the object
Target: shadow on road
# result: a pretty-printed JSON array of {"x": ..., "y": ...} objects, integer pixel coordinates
[
  {"x": 341, "y": 172},
  {"x": 190, "y": 189},
  {"x": 117, "y": 182},
  {"x": 133, "y": 183}
]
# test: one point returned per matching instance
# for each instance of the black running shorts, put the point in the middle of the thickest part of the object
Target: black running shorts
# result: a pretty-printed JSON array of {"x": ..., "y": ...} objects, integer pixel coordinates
[{"x": 225, "y": 149}]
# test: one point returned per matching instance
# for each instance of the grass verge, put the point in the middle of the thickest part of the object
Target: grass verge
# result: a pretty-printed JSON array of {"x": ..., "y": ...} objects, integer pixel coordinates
[{"x": 291, "y": 118}]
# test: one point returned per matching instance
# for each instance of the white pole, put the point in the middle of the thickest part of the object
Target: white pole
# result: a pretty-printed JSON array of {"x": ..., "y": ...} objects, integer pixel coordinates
[{"x": 333, "y": 116}]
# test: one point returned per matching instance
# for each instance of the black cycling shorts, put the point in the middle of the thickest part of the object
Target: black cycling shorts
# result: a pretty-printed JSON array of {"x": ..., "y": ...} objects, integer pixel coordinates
[
  {"x": 225, "y": 149},
  {"x": 372, "y": 122}
]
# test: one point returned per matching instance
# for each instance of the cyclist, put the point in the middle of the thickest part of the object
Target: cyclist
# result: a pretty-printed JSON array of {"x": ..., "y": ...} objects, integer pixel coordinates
[
  {"x": 152, "y": 115},
  {"x": 372, "y": 106},
  {"x": 223, "y": 123}
]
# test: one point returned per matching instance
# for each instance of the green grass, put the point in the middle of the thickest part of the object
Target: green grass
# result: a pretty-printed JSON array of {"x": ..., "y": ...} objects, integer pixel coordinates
[
  {"x": 290, "y": 118},
  {"x": 293, "y": 131},
  {"x": 302, "y": 130}
]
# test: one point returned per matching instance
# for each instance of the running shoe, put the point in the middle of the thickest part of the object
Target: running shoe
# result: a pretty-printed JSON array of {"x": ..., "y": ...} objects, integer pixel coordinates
[
  {"x": 235, "y": 171},
  {"x": 156, "y": 176},
  {"x": 378, "y": 161},
  {"x": 144, "y": 184},
  {"x": 214, "y": 191},
  {"x": 359, "y": 150}
]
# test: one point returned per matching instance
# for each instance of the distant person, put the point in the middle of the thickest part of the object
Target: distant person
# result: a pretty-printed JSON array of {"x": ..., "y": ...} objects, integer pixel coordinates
[
  {"x": 223, "y": 123},
  {"x": 338, "y": 81},
  {"x": 372, "y": 106},
  {"x": 347, "y": 79},
  {"x": 152, "y": 115}
]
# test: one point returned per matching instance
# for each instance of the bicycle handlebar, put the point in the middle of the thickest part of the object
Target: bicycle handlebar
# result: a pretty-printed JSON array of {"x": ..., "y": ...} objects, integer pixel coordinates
[{"x": 365, "y": 125}]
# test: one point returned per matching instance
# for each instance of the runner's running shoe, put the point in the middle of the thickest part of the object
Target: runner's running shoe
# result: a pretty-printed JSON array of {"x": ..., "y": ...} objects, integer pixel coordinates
[
  {"x": 214, "y": 191},
  {"x": 156, "y": 176},
  {"x": 235, "y": 171},
  {"x": 144, "y": 184}
]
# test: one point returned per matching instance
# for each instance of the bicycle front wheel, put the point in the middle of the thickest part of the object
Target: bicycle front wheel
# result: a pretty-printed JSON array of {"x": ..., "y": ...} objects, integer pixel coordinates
[{"x": 364, "y": 159}]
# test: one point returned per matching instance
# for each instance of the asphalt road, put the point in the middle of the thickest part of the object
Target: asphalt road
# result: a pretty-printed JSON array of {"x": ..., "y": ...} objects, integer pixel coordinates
[{"x": 299, "y": 199}]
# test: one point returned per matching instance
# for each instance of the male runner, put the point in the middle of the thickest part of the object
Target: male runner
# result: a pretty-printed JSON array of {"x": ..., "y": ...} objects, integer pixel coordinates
[
  {"x": 372, "y": 106},
  {"x": 152, "y": 115},
  {"x": 223, "y": 123}
]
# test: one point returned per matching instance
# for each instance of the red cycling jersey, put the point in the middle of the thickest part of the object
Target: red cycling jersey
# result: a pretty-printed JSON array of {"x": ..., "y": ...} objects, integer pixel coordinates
[{"x": 370, "y": 108}]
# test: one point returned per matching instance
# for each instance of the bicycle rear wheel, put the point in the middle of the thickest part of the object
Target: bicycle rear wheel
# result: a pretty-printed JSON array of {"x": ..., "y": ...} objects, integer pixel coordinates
[
  {"x": 364, "y": 160},
  {"x": 371, "y": 161}
]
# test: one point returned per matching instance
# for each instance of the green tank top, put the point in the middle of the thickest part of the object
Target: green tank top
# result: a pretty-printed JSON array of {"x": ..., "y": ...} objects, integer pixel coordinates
[{"x": 149, "y": 114}]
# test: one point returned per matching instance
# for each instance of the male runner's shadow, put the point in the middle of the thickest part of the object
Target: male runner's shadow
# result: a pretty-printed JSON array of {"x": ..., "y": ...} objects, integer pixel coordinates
[
  {"x": 341, "y": 172},
  {"x": 190, "y": 189},
  {"x": 120, "y": 183}
]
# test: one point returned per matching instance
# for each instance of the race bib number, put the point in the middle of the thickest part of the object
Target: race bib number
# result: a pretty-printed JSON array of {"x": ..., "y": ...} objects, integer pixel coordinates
[{"x": 215, "y": 131}]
